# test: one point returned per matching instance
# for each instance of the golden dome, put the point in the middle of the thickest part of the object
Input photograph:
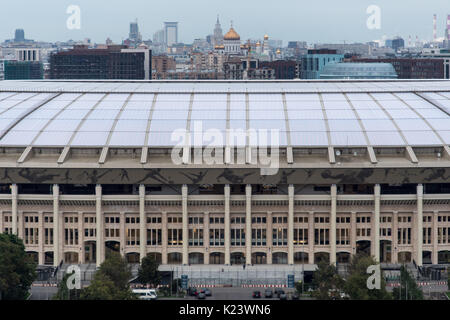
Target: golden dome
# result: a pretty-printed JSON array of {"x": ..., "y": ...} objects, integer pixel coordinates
[
  {"x": 278, "y": 51},
  {"x": 258, "y": 44},
  {"x": 266, "y": 37},
  {"x": 232, "y": 35}
]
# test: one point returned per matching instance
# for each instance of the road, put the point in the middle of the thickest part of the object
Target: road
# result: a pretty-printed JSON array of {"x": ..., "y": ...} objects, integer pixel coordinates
[
  {"x": 43, "y": 293},
  {"x": 235, "y": 293}
]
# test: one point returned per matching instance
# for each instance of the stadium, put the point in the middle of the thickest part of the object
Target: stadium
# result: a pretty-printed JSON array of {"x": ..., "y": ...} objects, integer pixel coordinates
[{"x": 87, "y": 167}]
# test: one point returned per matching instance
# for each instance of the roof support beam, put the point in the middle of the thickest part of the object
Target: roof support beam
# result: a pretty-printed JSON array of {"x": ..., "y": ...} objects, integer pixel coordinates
[
  {"x": 411, "y": 155},
  {"x": 289, "y": 155},
  {"x": 144, "y": 155},
  {"x": 433, "y": 102},
  {"x": 372, "y": 156},
  {"x": 63, "y": 155},
  {"x": 227, "y": 155},
  {"x": 186, "y": 155},
  {"x": 103, "y": 155},
  {"x": 248, "y": 155},
  {"x": 331, "y": 156},
  {"x": 25, "y": 155},
  {"x": 447, "y": 152}
]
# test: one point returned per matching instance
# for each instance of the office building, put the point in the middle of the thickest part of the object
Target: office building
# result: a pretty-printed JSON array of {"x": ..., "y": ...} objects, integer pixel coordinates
[
  {"x": 413, "y": 68},
  {"x": 113, "y": 62},
  {"x": 22, "y": 70},
  {"x": 171, "y": 33},
  {"x": 314, "y": 61}
]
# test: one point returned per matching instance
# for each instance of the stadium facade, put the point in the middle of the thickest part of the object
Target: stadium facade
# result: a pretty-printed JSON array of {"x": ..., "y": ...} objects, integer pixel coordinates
[{"x": 362, "y": 166}]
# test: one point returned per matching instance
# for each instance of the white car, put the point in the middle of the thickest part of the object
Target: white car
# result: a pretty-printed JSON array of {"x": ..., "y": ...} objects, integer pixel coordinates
[{"x": 146, "y": 294}]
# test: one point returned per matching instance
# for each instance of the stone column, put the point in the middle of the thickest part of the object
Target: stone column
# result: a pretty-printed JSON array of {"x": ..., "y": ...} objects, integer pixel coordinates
[
  {"x": 269, "y": 237},
  {"x": 248, "y": 224},
  {"x": 100, "y": 245},
  {"x": 394, "y": 237},
  {"x": 142, "y": 224},
  {"x": 434, "y": 254},
  {"x": 57, "y": 254},
  {"x": 20, "y": 224},
  {"x": 291, "y": 225},
  {"x": 419, "y": 225},
  {"x": 164, "y": 236},
  {"x": 353, "y": 231},
  {"x": 376, "y": 223},
  {"x": 14, "y": 194},
  {"x": 206, "y": 238},
  {"x": 333, "y": 224},
  {"x": 81, "y": 236},
  {"x": 184, "y": 197},
  {"x": 311, "y": 237},
  {"x": 41, "y": 256},
  {"x": 123, "y": 235},
  {"x": 227, "y": 224},
  {"x": 2, "y": 217}
]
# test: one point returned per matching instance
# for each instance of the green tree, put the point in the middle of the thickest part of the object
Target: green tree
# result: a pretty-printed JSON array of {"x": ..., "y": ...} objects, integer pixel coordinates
[
  {"x": 356, "y": 283},
  {"x": 101, "y": 288},
  {"x": 148, "y": 271},
  {"x": 116, "y": 268},
  {"x": 327, "y": 282},
  {"x": 111, "y": 281},
  {"x": 408, "y": 289},
  {"x": 17, "y": 270}
]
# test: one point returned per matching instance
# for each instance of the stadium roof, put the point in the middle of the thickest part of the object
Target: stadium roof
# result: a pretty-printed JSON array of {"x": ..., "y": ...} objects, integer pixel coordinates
[{"x": 144, "y": 114}]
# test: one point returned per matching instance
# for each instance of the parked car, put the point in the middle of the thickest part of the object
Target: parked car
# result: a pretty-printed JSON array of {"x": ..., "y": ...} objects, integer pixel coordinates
[
  {"x": 207, "y": 292},
  {"x": 201, "y": 295},
  {"x": 268, "y": 293},
  {"x": 146, "y": 294},
  {"x": 256, "y": 294},
  {"x": 275, "y": 292},
  {"x": 280, "y": 292},
  {"x": 282, "y": 296},
  {"x": 295, "y": 296}
]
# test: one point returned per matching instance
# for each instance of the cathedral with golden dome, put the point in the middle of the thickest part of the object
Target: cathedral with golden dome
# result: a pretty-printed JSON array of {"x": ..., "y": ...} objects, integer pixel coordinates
[{"x": 232, "y": 42}]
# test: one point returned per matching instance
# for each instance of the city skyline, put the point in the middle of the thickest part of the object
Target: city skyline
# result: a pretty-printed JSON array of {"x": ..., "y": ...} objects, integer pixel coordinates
[{"x": 319, "y": 22}]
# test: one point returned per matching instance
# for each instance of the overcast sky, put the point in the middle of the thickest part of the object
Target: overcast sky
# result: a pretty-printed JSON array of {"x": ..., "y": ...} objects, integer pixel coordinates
[{"x": 317, "y": 21}]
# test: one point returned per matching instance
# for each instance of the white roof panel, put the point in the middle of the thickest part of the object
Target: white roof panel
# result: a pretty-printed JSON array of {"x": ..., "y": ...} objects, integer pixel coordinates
[{"x": 88, "y": 111}]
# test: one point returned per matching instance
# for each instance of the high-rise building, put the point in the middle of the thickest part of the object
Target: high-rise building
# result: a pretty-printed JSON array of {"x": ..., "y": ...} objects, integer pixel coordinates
[
  {"x": 134, "y": 35},
  {"x": 398, "y": 43},
  {"x": 19, "y": 35},
  {"x": 218, "y": 34},
  {"x": 171, "y": 33},
  {"x": 114, "y": 62}
]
